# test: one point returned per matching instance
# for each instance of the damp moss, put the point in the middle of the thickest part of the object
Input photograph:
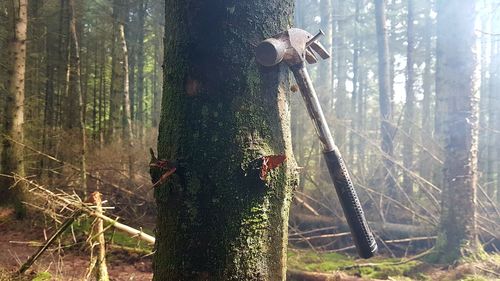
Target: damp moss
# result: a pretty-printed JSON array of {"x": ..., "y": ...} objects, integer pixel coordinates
[
  {"x": 43, "y": 276},
  {"x": 311, "y": 261},
  {"x": 377, "y": 268}
]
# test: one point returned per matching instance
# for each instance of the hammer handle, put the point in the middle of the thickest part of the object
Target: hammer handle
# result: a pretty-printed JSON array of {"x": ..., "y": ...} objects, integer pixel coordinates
[{"x": 362, "y": 236}]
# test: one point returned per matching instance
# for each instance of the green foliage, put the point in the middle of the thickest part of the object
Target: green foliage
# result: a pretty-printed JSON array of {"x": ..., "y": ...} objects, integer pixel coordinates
[
  {"x": 311, "y": 261},
  {"x": 378, "y": 268},
  {"x": 43, "y": 276}
]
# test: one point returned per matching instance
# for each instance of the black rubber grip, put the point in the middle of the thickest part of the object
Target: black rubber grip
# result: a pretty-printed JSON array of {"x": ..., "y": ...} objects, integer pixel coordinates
[{"x": 361, "y": 234}]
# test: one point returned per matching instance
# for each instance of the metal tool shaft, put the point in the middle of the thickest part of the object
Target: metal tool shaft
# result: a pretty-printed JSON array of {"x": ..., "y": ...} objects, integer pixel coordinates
[{"x": 362, "y": 236}]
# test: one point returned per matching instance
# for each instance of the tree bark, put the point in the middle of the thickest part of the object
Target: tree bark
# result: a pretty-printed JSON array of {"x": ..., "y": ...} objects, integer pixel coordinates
[
  {"x": 385, "y": 102},
  {"x": 409, "y": 104},
  {"x": 126, "y": 118},
  {"x": 140, "y": 69},
  {"x": 425, "y": 160},
  {"x": 493, "y": 171},
  {"x": 116, "y": 74},
  {"x": 101, "y": 271},
  {"x": 217, "y": 220},
  {"x": 76, "y": 92},
  {"x": 455, "y": 84},
  {"x": 341, "y": 108},
  {"x": 12, "y": 161}
]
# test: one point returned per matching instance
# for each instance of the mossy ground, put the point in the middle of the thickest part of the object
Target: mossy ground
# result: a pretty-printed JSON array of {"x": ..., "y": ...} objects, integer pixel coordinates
[
  {"x": 392, "y": 268},
  {"x": 9, "y": 276}
]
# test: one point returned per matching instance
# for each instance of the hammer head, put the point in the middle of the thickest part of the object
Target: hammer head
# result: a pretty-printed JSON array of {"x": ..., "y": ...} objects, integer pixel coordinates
[{"x": 293, "y": 46}]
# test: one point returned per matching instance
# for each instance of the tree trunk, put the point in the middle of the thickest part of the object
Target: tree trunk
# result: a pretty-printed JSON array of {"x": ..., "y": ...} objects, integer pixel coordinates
[
  {"x": 355, "y": 110},
  {"x": 425, "y": 160},
  {"x": 12, "y": 154},
  {"x": 76, "y": 92},
  {"x": 116, "y": 75},
  {"x": 455, "y": 84},
  {"x": 409, "y": 105},
  {"x": 140, "y": 69},
  {"x": 158, "y": 16},
  {"x": 126, "y": 118},
  {"x": 341, "y": 108},
  {"x": 493, "y": 171},
  {"x": 217, "y": 220},
  {"x": 385, "y": 102}
]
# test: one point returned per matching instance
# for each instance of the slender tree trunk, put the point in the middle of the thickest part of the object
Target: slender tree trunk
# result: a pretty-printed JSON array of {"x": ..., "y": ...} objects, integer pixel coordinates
[
  {"x": 217, "y": 220},
  {"x": 385, "y": 102},
  {"x": 140, "y": 69},
  {"x": 156, "y": 95},
  {"x": 131, "y": 36},
  {"x": 361, "y": 114},
  {"x": 95, "y": 105},
  {"x": 12, "y": 161},
  {"x": 353, "y": 139},
  {"x": 455, "y": 83},
  {"x": 74, "y": 84},
  {"x": 409, "y": 105},
  {"x": 62, "y": 68},
  {"x": 426, "y": 163},
  {"x": 341, "y": 107},
  {"x": 49, "y": 121},
  {"x": 494, "y": 110},
  {"x": 127, "y": 120},
  {"x": 116, "y": 76},
  {"x": 76, "y": 90},
  {"x": 102, "y": 97}
]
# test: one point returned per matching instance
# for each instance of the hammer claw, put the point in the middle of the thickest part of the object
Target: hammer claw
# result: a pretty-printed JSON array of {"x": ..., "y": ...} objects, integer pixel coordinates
[
  {"x": 320, "y": 49},
  {"x": 310, "y": 57}
]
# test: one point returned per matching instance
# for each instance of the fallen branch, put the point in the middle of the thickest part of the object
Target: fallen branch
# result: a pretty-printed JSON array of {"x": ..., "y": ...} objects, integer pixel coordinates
[
  {"x": 49, "y": 242},
  {"x": 411, "y": 239},
  {"x": 297, "y": 275},
  {"x": 130, "y": 249},
  {"x": 306, "y": 205},
  {"x": 65, "y": 201},
  {"x": 89, "y": 174},
  {"x": 125, "y": 228}
]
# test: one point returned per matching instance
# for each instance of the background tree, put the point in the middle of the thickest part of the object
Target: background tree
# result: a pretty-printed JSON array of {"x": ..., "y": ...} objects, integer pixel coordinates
[
  {"x": 456, "y": 87},
  {"x": 385, "y": 96},
  {"x": 12, "y": 155}
]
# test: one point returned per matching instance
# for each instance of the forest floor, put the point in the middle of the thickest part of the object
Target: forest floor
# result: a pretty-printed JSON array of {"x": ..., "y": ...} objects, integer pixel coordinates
[{"x": 18, "y": 240}]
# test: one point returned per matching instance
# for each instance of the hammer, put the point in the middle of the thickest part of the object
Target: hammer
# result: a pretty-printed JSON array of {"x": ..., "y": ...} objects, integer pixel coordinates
[{"x": 296, "y": 47}]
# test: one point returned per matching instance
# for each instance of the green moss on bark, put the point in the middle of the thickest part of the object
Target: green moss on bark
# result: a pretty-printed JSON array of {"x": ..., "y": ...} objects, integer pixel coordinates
[{"x": 220, "y": 112}]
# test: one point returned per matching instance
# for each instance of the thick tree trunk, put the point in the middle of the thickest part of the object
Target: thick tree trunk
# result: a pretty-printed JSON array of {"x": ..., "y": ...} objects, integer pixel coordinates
[
  {"x": 455, "y": 84},
  {"x": 12, "y": 154},
  {"x": 217, "y": 220}
]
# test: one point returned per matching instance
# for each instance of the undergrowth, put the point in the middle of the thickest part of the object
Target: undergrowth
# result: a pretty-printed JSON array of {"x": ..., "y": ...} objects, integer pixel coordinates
[{"x": 393, "y": 268}]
